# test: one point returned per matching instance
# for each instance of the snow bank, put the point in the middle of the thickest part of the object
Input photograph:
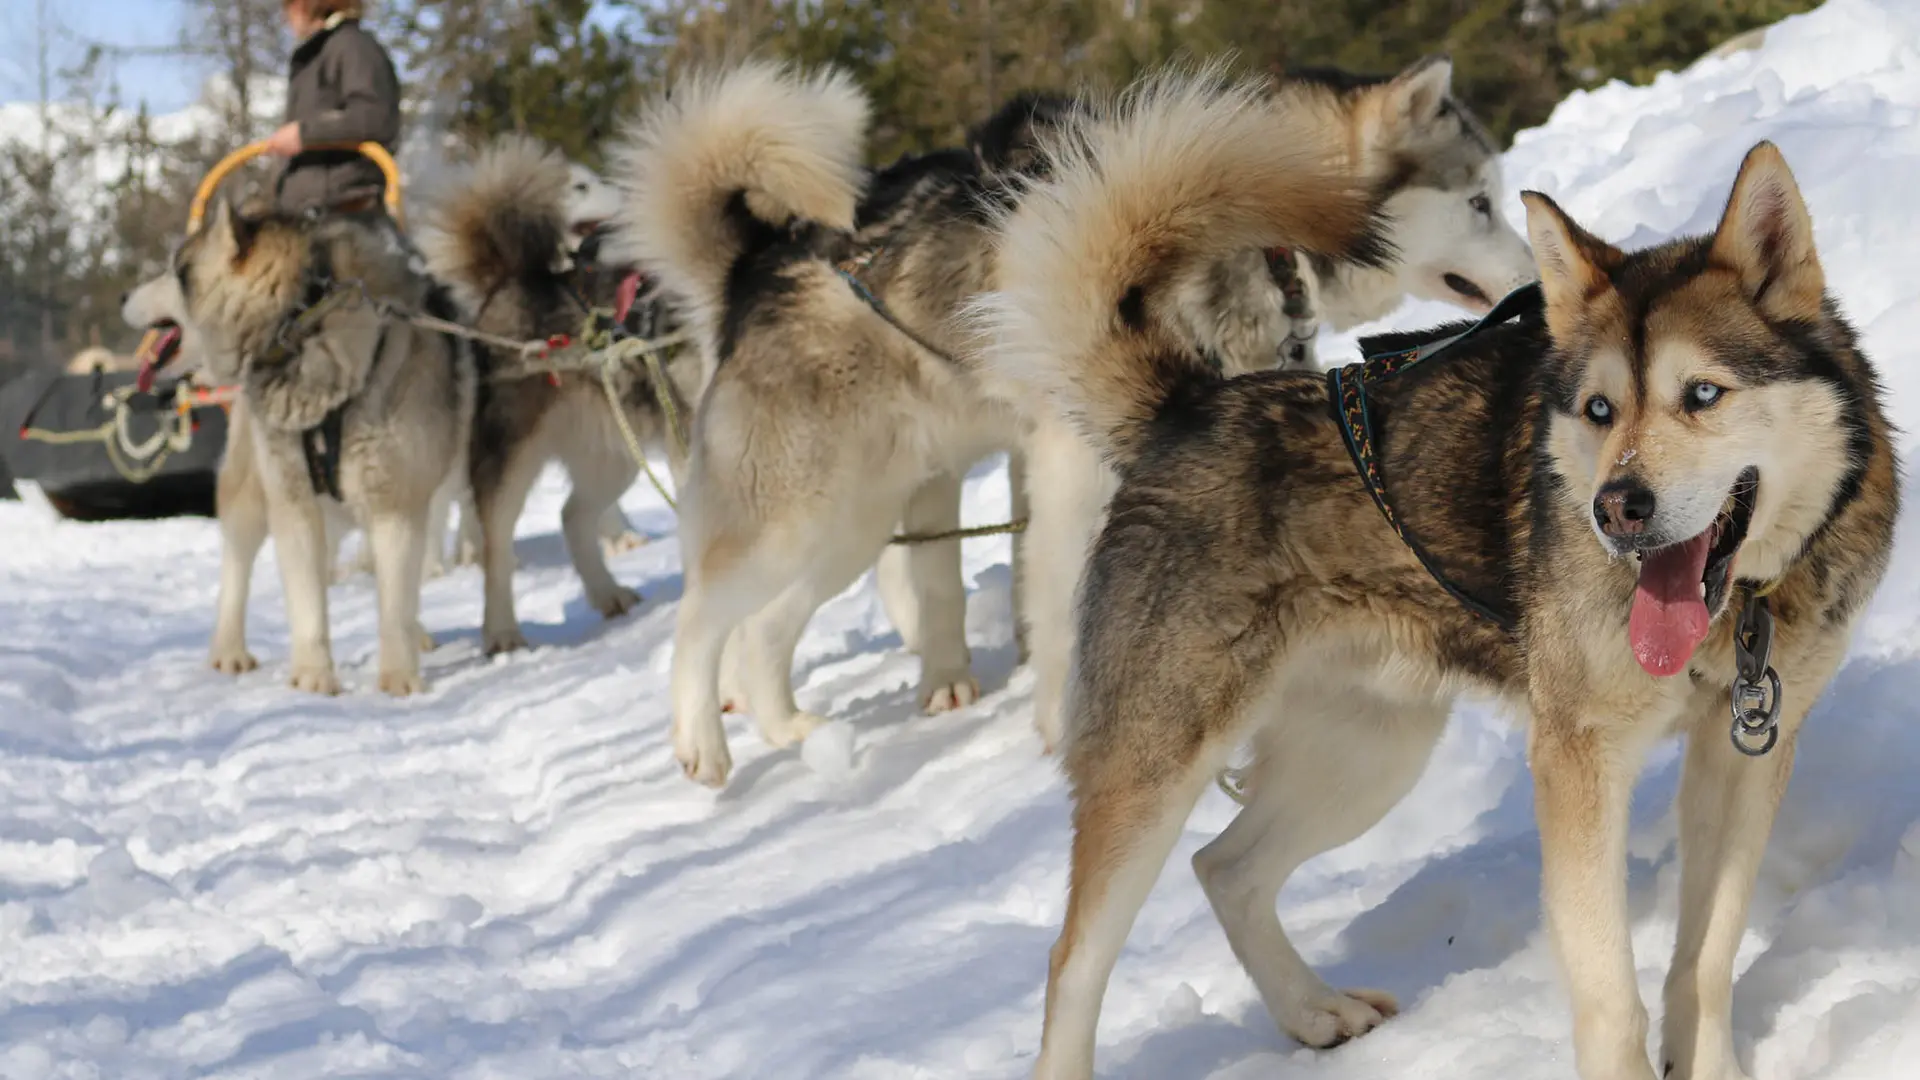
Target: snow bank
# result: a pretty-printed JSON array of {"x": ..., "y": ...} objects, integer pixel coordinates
[{"x": 509, "y": 878}]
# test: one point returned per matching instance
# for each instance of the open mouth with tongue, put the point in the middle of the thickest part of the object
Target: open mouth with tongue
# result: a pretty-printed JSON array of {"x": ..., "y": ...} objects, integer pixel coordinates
[
  {"x": 1682, "y": 585},
  {"x": 158, "y": 348}
]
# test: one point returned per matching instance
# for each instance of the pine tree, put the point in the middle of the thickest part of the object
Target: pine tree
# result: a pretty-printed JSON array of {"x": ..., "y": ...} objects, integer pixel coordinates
[
  {"x": 564, "y": 71},
  {"x": 248, "y": 43}
]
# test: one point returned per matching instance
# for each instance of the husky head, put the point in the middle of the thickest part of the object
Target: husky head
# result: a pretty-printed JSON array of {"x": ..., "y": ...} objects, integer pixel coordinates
[
  {"x": 158, "y": 307},
  {"x": 1707, "y": 410},
  {"x": 1441, "y": 172},
  {"x": 591, "y": 203}
]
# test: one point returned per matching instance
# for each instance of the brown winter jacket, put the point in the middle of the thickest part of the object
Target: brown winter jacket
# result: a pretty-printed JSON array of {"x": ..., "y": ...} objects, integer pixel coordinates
[{"x": 341, "y": 88}]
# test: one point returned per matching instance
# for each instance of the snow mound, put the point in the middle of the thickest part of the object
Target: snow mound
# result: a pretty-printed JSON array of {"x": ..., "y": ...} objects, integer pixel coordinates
[{"x": 508, "y": 877}]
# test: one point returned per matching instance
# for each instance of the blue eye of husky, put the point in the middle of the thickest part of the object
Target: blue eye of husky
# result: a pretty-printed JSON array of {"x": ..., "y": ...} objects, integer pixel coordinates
[
  {"x": 1702, "y": 395},
  {"x": 1599, "y": 410}
]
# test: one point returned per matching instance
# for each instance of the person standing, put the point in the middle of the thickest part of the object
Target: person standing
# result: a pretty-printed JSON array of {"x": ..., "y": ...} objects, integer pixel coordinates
[{"x": 341, "y": 88}]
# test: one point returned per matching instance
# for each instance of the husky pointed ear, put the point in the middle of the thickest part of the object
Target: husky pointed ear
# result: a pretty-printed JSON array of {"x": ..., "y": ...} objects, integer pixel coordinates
[
  {"x": 1572, "y": 262},
  {"x": 241, "y": 227},
  {"x": 1416, "y": 95},
  {"x": 1766, "y": 236}
]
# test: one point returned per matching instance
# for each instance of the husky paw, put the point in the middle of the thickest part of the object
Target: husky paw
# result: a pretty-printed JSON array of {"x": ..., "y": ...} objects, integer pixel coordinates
[
  {"x": 791, "y": 731},
  {"x": 315, "y": 681},
  {"x": 946, "y": 695},
  {"x": 1337, "y": 1016},
  {"x": 427, "y": 644},
  {"x": 1051, "y": 731},
  {"x": 504, "y": 640},
  {"x": 626, "y": 540},
  {"x": 703, "y": 754},
  {"x": 234, "y": 661},
  {"x": 433, "y": 568},
  {"x": 617, "y": 603},
  {"x": 402, "y": 683}
]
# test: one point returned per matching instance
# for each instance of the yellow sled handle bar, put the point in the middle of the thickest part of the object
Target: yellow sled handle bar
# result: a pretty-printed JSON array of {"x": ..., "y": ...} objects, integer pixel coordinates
[{"x": 373, "y": 151}]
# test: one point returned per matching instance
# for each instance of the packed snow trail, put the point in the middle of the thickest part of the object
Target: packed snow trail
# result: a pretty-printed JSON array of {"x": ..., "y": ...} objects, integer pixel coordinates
[{"x": 508, "y": 877}]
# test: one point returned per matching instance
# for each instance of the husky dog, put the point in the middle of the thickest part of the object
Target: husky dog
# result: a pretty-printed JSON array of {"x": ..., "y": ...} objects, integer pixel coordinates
[
  {"x": 500, "y": 241},
  {"x": 342, "y": 406},
  {"x": 1440, "y": 175},
  {"x": 1667, "y": 444},
  {"x": 591, "y": 205}
]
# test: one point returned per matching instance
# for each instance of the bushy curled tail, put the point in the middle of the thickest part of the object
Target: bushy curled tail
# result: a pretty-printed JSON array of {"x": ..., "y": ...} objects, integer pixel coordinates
[
  {"x": 725, "y": 154},
  {"x": 503, "y": 223},
  {"x": 1185, "y": 168}
]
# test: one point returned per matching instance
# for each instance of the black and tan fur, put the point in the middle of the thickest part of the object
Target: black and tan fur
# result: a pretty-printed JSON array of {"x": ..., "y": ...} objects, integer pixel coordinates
[
  {"x": 1245, "y": 588},
  {"x": 499, "y": 238}
]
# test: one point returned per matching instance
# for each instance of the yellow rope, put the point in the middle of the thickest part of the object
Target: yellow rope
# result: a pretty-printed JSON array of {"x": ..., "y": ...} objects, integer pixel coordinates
[
  {"x": 610, "y": 361},
  {"x": 1018, "y": 525}
]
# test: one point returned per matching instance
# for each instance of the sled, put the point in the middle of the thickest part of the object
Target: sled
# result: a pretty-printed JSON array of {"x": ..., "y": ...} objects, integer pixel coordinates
[
  {"x": 121, "y": 446},
  {"x": 99, "y": 448}
]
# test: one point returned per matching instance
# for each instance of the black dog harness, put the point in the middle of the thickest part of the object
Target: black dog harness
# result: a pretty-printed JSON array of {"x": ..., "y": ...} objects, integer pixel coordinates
[
  {"x": 1347, "y": 396},
  {"x": 319, "y": 444}
]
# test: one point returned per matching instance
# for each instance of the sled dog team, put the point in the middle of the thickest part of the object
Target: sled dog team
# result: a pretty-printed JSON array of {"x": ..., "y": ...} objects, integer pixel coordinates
[{"x": 1646, "y": 494}]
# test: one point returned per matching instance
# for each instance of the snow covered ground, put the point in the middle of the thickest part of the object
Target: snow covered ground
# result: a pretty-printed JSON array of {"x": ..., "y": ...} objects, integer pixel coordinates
[{"x": 508, "y": 878}]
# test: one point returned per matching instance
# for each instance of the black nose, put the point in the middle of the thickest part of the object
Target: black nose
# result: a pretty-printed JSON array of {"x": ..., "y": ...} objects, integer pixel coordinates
[{"x": 1623, "y": 508}]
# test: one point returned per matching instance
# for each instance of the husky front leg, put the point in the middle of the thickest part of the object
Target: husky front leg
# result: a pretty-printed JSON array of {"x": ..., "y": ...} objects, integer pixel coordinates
[
  {"x": 468, "y": 541},
  {"x": 1727, "y": 803},
  {"x": 241, "y": 503},
  {"x": 939, "y": 607},
  {"x": 500, "y": 489},
  {"x": 1583, "y": 774},
  {"x": 398, "y": 540},
  {"x": 300, "y": 542},
  {"x": 439, "y": 513},
  {"x": 598, "y": 480},
  {"x": 1071, "y": 488}
]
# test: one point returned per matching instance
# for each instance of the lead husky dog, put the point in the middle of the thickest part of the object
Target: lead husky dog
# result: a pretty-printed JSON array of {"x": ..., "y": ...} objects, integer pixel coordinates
[
  {"x": 345, "y": 412},
  {"x": 1440, "y": 174},
  {"x": 591, "y": 205},
  {"x": 1686, "y": 429},
  {"x": 500, "y": 239}
]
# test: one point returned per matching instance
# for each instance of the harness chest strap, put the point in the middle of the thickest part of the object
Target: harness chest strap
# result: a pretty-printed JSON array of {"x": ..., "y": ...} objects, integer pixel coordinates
[
  {"x": 1347, "y": 395},
  {"x": 320, "y": 444}
]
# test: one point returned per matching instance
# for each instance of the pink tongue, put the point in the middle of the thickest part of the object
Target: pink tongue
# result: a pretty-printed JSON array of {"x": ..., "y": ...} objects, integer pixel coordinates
[
  {"x": 1669, "y": 618},
  {"x": 151, "y": 362}
]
